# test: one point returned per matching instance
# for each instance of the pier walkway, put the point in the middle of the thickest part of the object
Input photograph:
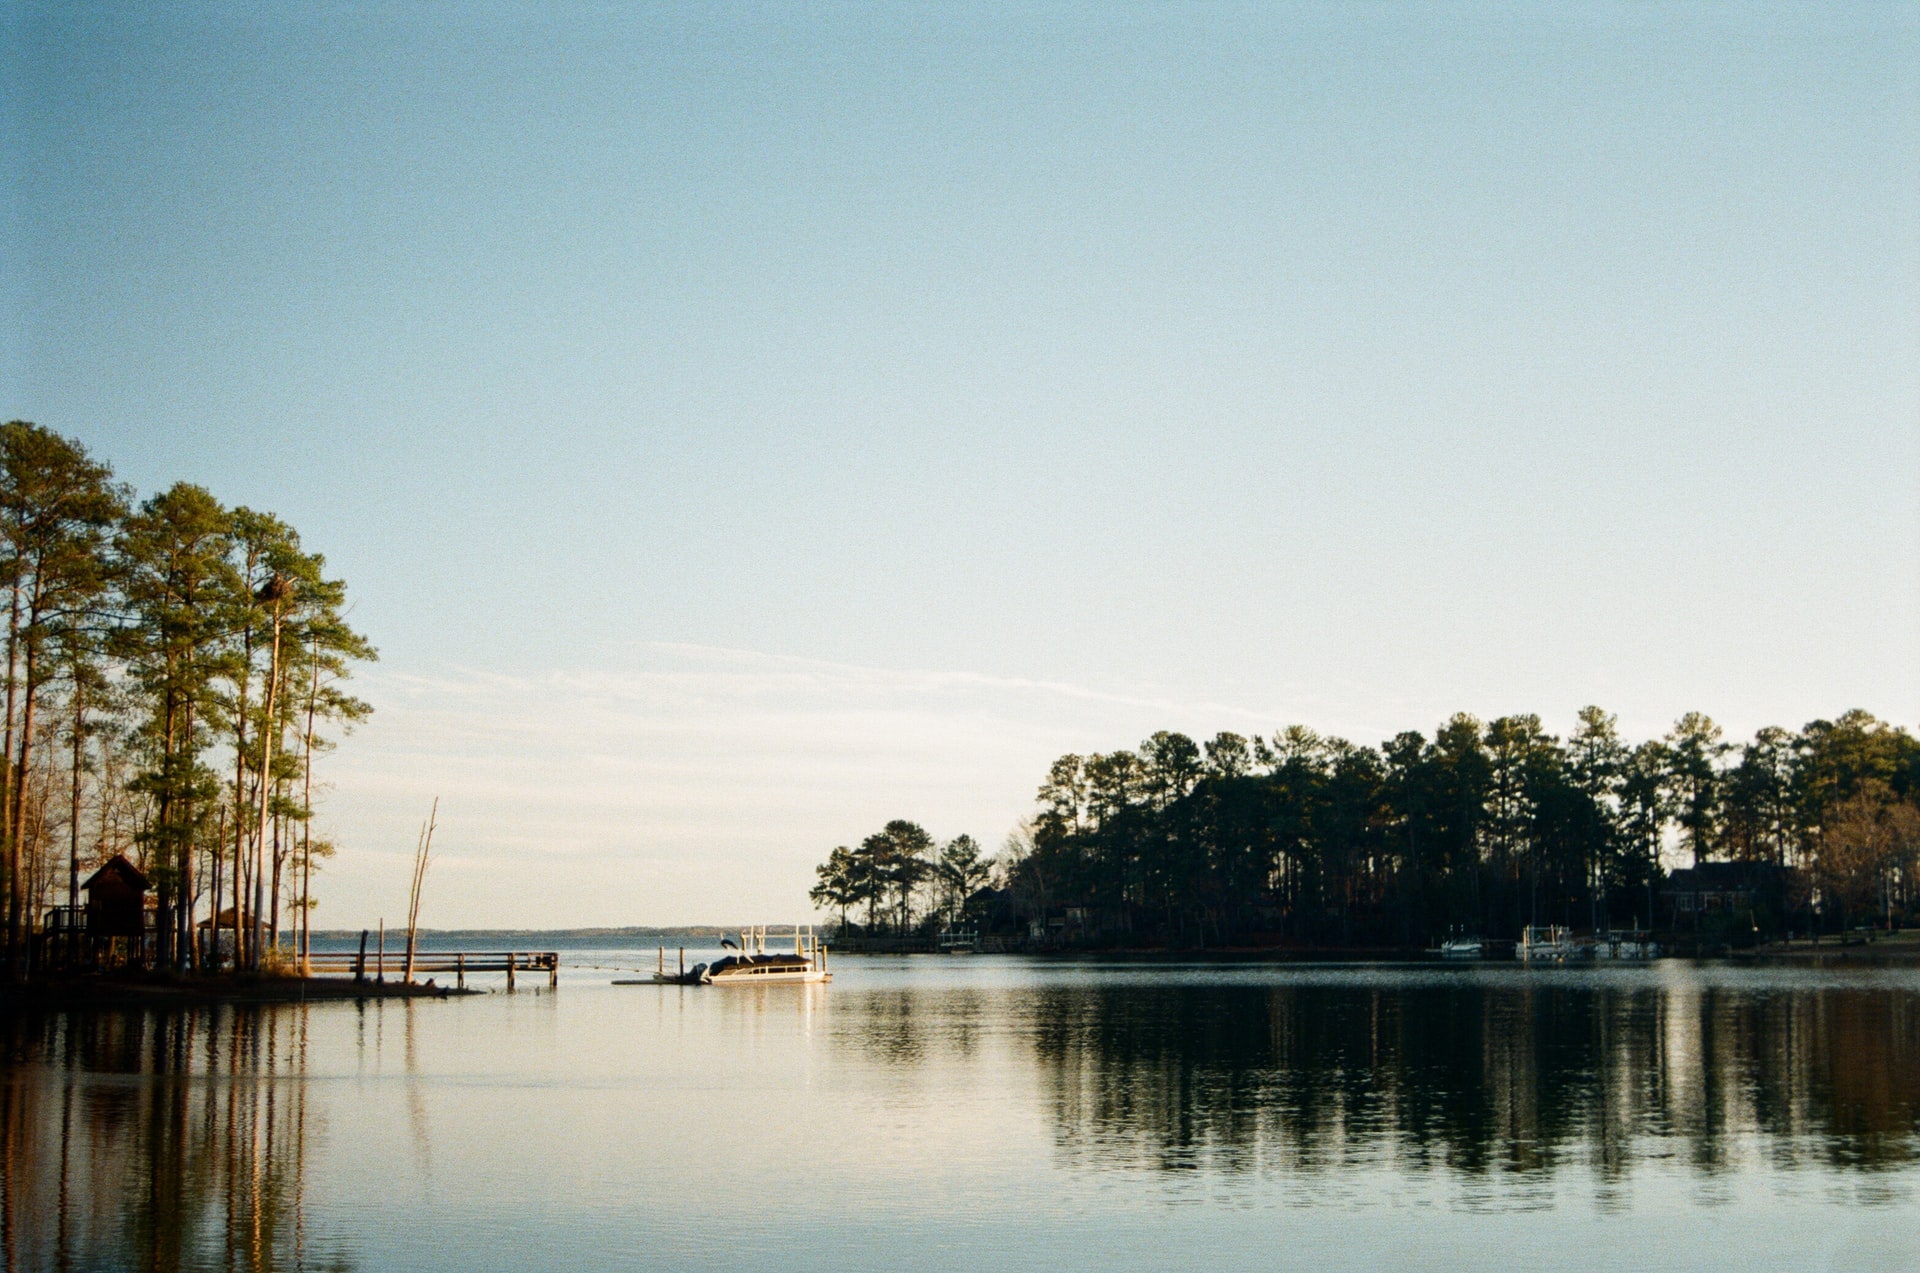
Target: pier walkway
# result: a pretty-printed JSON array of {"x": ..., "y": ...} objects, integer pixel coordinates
[{"x": 378, "y": 964}]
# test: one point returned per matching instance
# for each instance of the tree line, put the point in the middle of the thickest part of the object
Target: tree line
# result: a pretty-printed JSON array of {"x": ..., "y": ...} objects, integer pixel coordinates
[
  {"x": 1481, "y": 829},
  {"x": 171, "y": 667},
  {"x": 901, "y": 879}
]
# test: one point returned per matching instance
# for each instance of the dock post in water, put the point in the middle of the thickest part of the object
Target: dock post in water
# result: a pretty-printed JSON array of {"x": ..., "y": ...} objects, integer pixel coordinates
[
  {"x": 683, "y": 961},
  {"x": 460, "y": 973},
  {"x": 360, "y": 964},
  {"x": 510, "y": 962},
  {"x": 380, "y": 965},
  {"x": 553, "y": 971}
]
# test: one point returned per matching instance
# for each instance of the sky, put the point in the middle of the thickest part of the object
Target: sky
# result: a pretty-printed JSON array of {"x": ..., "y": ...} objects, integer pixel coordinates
[{"x": 741, "y": 425}]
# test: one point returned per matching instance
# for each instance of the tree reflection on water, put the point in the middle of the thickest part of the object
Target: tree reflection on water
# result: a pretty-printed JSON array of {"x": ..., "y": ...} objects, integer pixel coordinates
[
  {"x": 156, "y": 1141},
  {"x": 1479, "y": 1077},
  {"x": 196, "y": 1139}
]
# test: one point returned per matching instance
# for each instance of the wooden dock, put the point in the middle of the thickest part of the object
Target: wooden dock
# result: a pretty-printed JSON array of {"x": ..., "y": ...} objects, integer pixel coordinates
[{"x": 378, "y": 965}]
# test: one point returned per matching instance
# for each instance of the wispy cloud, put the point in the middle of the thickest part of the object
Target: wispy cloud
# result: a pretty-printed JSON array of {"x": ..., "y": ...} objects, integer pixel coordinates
[{"x": 690, "y": 783}]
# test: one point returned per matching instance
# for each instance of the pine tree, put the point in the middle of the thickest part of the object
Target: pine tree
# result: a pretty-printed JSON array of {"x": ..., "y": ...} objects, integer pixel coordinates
[{"x": 58, "y": 507}]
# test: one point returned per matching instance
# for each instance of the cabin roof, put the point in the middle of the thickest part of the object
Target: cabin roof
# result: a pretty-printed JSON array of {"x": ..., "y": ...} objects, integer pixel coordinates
[
  {"x": 121, "y": 869},
  {"x": 225, "y": 919}
]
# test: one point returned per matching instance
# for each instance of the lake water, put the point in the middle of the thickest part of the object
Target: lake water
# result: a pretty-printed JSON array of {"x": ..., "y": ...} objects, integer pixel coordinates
[{"x": 989, "y": 1113}]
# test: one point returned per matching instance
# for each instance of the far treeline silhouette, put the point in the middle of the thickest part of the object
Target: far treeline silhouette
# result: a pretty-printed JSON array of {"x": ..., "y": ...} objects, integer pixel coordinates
[
  {"x": 1481, "y": 829},
  {"x": 169, "y": 667}
]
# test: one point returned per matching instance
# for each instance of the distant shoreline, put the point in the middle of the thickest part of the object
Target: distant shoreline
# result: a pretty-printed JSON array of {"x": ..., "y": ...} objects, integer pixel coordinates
[
  {"x": 525, "y": 937},
  {"x": 1896, "y": 949}
]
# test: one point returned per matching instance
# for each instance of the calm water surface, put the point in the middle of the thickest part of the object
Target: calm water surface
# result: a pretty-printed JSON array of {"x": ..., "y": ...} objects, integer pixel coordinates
[{"x": 984, "y": 1112}]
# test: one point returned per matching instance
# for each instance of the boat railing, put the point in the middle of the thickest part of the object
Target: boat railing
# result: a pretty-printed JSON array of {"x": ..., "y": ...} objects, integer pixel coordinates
[
  {"x": 1556, "y": 943},
  {"x": 754, "y": 938},
  {"x": 752, "y": 943}
]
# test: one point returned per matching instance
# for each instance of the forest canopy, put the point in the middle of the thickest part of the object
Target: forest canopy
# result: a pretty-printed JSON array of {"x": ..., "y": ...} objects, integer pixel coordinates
[
  {"x": 174, "y": 667},
  {"x": 1481, "y": 828}
]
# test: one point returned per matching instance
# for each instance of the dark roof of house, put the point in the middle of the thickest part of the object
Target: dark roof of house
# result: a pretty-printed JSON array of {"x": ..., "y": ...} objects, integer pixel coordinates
[
  {"x": 1717, "y": 877},
  {"x": 122, "y": 868}
]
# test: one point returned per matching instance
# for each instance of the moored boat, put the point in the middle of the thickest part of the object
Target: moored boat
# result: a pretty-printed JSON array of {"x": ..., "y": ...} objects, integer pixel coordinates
[
  {"x": 752, "y": 964},
  {"x": 1627, "y": 945},
  {"x": 1546, "y": 944},
  {"x": 1552, "y": 944},
  {"x": 1460, "y": 945}
]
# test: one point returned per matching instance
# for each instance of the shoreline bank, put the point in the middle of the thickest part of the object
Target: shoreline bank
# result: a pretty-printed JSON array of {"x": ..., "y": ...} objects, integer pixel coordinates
[{"x": 87, "y": 992}]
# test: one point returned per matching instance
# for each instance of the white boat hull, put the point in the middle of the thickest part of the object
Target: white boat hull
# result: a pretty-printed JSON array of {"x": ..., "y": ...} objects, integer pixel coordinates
[
  {"x": 751, "y": 964},
  {"x": 751, "y": 977}
]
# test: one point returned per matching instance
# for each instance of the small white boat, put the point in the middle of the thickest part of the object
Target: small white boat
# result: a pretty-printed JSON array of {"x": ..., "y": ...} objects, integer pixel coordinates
[
  {"x": 753, "y": 964},
  {"x": 1462, "y": 948}
]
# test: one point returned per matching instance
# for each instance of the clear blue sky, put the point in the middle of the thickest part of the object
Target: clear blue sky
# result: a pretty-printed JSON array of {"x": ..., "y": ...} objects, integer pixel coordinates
[{"x": 740, "y": 425}]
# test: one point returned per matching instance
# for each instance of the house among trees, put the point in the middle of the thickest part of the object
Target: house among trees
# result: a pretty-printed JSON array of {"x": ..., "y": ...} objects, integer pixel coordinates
[
  {"x": 130, "y": 622},
  {"x": 116, "y": 899},
  {"x": 217, "y": 931},
  {"x": 1758, "y": 888}
]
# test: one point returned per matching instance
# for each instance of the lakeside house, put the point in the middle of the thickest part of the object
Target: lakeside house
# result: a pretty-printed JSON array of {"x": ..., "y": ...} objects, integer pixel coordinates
[
  {"x": 1757, "y": 888},
  {"x": 116, "y": 899}
]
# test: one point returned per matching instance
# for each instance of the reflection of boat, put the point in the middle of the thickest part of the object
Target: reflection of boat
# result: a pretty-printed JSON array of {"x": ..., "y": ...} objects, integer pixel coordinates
[
  {"x": 753, "y": 964},
  {"x": 1546, "y": 943}
]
